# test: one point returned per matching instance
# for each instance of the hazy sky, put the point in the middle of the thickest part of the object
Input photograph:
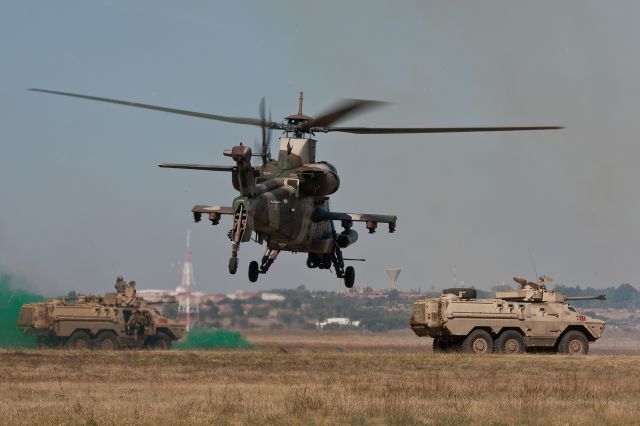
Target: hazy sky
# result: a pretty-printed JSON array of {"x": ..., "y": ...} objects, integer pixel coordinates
[{"x": 82, "y": 199}]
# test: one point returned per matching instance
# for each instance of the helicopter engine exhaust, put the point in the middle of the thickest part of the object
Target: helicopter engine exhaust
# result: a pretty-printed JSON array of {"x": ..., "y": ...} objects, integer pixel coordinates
[
  {"x": 269, "y": 185},
  {"x": 346, "y": 238}
]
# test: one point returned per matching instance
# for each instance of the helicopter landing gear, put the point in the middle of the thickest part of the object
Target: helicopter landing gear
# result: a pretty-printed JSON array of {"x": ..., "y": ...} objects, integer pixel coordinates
[
  {"x": 312, "y": 261},
  {"x": 233, "y": 265},
  {"x": 235, "y": 235},
  {"x": 322, "y": 261},
  {"x": 348, "y": 273},
  {"x": 267, "y": 260},
  {"x": 349, "y": 276},
  {"x": 254, "y": 271}
]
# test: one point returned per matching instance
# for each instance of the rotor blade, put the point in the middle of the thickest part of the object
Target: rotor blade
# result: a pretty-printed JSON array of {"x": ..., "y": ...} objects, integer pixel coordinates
[
  {"x": 207, "y": 167},
  {"x": 263, "y": 119},
  {"x": 389, "y": 130},
  {"x": 237, "y": 120},
  {"x": 341, "y": 111}
]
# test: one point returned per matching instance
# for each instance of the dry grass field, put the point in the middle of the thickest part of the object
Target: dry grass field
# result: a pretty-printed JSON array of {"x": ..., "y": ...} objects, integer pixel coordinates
[
  {"x": 271, "y": 386},
  {"x": 614, "y": 342}
]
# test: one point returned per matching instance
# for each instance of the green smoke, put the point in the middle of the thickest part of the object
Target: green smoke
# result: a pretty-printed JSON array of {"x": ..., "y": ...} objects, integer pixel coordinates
[
  {"x": 11, "y": 300},
  {"x": 203, "y": 338}
]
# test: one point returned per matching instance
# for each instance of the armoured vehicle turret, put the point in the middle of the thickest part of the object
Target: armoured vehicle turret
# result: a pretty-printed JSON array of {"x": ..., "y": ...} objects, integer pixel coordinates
[
  {"x": 110, "y": 322},
  {"x": 530, "y": 319}
]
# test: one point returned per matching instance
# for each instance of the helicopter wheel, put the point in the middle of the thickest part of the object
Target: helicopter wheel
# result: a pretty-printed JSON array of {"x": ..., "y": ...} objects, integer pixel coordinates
[
  {"x": 233, "y": 265},
  {"x": 349, "y": 276},
  {"x": 254, "y": 271},
  {"x": 312, "y": 261}
]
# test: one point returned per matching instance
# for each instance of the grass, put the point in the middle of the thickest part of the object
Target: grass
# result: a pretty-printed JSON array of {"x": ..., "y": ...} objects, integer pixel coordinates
[
  {"x": 314, "y": 387},
  {"x": 614, "y": 342}
]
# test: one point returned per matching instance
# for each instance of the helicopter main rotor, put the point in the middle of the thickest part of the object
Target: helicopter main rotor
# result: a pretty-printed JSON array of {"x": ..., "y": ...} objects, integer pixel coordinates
[{"x": 303, "y": 124}]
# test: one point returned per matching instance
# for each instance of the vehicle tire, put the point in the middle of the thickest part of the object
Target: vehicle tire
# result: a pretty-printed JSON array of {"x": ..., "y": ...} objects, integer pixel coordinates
[
  {"x": 438, "y": 346},
  {"x": 478, "y": 342},
  {"x": 80, "y": 339},
  {"x": 349, "y": 276},
  {"x": 254, "y": 271},
  {"x": 50, "y": 341},
  {"x": 574, "y": 343},
  {"x": 510, "y": 342},
  {"x": 161, "y": 342},
  {"x": 107, "y": 341},
  {"x": 233, "y": 265}
]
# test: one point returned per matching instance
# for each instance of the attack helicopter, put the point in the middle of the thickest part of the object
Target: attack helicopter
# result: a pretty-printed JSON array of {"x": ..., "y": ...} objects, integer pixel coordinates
[{"x": 284, "y": 202}]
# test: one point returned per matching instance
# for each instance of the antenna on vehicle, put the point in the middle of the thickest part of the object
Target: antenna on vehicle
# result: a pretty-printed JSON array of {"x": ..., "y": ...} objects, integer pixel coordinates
[
  {"x": 535, "y": 271},
  {"x": 454, "y": 281},
  {"x": 300, "y": 103}
]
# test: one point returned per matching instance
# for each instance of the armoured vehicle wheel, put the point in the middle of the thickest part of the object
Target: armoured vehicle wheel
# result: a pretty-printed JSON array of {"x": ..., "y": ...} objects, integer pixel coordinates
[
  {"x": 478, "y": 342},
  {"x": 50, "y": 341},
  {"x": 510, "y": 342},
  {"x": 574, "y": 343},
  {"x": 107, "y": 341},
  {"x": 233, "y": 265},
  {"x": 349, "y": 276},
  {"x": 445, "y": 345},
  {"x": 79, "y": 340},
  {"x": 438, "y": 346},
  {"x": 254, "y": 271},
  {"x": 161, "y": 342}
]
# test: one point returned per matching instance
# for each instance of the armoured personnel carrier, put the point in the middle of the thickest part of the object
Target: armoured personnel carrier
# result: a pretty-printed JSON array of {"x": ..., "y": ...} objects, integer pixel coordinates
[
  {"x": 110, "y": 322},
  {"x": 530, "y": 319}
]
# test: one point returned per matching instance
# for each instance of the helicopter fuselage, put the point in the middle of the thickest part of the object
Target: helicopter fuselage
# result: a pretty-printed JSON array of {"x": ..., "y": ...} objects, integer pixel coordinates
[{"x": 284, "y": 196}]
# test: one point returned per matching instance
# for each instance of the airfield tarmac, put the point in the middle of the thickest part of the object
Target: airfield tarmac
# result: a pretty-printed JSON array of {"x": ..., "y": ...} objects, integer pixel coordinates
[{"x": 344, "y": 379}]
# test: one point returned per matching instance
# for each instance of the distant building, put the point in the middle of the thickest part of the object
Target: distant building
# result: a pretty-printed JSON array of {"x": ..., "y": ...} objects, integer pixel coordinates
[
  {"x": 154, "y": 295},
  {"x": 338, "y": 321},
  {"x": 272, "y": 297},
  {"x": 243, "y": 295}
]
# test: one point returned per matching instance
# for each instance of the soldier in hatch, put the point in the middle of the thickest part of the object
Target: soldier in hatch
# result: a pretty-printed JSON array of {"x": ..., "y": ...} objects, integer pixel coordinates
[
  {"x": 130, "y": 293},
  {"x": 120, "y": 284}
]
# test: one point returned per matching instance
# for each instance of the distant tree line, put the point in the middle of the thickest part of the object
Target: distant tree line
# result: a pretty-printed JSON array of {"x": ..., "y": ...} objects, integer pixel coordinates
[
  {"x": 625, "y": 296},
  {"x": 303, "y": 308}
]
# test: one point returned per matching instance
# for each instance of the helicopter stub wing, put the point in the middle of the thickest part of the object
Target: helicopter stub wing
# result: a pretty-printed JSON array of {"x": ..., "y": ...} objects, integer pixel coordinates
[
  {"x": 214, "y": 212},
  {"x": 371, "y": 220}
]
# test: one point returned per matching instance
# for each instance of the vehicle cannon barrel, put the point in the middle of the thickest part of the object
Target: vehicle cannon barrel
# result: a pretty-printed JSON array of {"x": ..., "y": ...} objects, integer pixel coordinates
[{"x": 599, "y": 297}]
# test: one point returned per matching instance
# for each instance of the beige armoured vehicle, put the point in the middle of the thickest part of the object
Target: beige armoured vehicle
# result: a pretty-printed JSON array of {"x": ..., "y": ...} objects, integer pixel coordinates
[
  {"x": 111, "y": 322},
  {"x": 532, "y": 319}
]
